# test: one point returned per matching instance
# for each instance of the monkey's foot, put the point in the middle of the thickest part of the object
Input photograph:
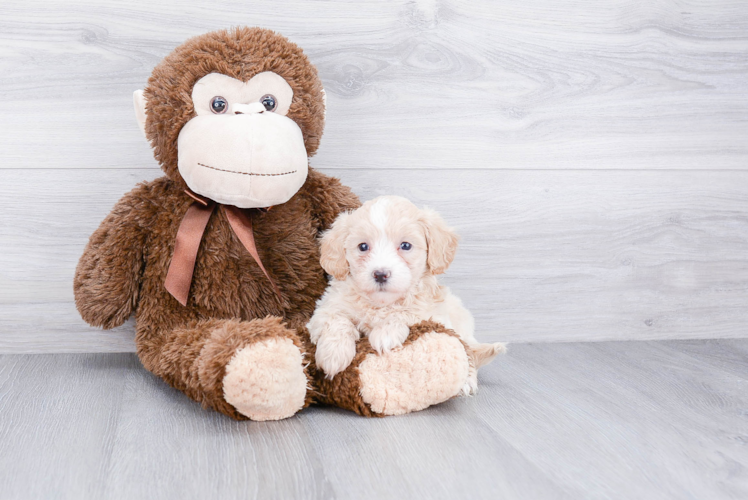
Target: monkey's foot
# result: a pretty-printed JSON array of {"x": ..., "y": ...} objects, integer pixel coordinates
[
  {"x": 428, "y": 370},
  {"x": 266, "y": 380}
]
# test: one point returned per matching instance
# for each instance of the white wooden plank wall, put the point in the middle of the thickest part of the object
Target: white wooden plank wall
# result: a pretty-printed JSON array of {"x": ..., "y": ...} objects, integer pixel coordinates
[{"x": 594, "y": 156}]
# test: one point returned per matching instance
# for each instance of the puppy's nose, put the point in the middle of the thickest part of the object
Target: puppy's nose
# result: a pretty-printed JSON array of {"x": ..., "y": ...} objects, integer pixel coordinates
[{"x": 381, "y": 276}]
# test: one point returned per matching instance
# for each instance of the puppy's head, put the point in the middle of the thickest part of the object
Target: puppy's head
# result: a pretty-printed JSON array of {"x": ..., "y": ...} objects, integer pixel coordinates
[{"x": 386, "y": 247}]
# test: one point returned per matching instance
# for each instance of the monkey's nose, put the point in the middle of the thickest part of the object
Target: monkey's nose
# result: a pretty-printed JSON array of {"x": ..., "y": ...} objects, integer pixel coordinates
[
  {"x": 253, "y": 107},
  {"x": 381, "y": 276}
]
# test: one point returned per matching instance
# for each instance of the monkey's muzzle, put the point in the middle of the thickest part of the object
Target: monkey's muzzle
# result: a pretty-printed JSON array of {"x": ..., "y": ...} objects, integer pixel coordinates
[{"x": 250, "y": 160}]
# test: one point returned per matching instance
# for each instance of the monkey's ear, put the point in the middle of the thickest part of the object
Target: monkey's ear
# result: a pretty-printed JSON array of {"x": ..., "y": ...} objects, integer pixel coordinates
[
  {"x": 138, "y": 100},
  {"x": 324, "y": 103}
]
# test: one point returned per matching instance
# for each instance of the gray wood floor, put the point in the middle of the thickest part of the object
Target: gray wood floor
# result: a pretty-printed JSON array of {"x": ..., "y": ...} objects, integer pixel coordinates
[{"x": 614, "y": 420}]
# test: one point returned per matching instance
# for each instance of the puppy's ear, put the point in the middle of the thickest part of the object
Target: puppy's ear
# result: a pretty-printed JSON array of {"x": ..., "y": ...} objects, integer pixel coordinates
[
  {"x": 332, "y": 248},
  {"x": 441, "y": 240}
]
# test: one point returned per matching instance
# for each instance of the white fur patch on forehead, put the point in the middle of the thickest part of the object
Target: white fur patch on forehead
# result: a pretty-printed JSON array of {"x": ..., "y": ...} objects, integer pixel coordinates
[{"x": 378, "y": 213}]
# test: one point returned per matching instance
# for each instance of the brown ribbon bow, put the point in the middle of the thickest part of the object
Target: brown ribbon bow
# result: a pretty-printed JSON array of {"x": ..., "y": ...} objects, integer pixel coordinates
[{"x": 189, "y": 235}]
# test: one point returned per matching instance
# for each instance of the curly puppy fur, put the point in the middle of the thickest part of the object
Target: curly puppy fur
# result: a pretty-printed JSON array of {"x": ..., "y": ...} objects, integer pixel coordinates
[{"x": 385, "y": 257}]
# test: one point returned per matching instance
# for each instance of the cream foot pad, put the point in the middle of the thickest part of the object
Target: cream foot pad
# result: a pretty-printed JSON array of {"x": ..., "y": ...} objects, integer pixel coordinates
[{"x": 430, "y": 370}]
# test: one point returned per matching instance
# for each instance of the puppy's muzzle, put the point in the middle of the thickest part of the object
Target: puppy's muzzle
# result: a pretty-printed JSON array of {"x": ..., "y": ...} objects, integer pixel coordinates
[{"x": 381, "y": 276}]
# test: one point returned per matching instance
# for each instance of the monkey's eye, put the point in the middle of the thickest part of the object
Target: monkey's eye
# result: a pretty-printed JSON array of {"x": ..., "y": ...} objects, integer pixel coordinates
[
  {"x": 218, "y": 105},
  {"x": 268, "y": 100},
  {"x": 363, "y": 247},
  {"x": 405, "y": 246}
]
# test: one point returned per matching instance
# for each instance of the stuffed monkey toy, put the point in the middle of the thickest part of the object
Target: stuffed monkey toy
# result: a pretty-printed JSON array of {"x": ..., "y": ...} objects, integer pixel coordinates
[{"x": 219, "y": 259}]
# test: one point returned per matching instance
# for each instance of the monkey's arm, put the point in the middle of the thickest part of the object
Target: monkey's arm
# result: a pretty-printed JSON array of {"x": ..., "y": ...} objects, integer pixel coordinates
[
  {"x": 107, "y": 279},
  {"x": 329, "y": 198}
]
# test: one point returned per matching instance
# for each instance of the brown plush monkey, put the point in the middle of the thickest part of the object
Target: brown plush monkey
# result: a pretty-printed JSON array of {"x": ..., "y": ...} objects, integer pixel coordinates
[{"x": 219, "y": 259}]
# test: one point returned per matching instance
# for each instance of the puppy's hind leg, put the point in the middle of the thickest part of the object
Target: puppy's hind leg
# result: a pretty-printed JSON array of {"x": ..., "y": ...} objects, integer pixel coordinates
[
  {"x": 471, "y": 384},
  {"x": 480, "y": 355}
]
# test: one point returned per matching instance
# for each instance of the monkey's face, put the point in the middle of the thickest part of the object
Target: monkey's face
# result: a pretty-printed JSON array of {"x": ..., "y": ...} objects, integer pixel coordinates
[
  {"x": 241, "y": 149},
  {"x": 234, "y": 115}
]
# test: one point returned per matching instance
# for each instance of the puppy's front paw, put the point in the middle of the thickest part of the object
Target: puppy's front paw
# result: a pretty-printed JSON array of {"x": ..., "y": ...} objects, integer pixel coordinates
[
  {"x": 334, "y": 354},
  {"x": 387, "y": 337}
]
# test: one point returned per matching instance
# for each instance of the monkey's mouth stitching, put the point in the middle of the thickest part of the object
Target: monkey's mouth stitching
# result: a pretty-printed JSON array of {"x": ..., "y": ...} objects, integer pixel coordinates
[{"x": 248, "y": 173}]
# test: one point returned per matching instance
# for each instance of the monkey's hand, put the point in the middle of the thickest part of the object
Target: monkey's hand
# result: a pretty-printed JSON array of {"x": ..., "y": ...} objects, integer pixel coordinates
[{"x": 107, "y": 278}]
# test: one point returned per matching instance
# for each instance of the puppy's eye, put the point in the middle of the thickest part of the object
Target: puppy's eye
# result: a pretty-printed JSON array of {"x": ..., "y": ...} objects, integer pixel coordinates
[
  {"x": 405, "y": 246},
  {"x": 363, "y": 247},
  {"x": 219, "y": 105},
  {"x": 269, "y": 102}
]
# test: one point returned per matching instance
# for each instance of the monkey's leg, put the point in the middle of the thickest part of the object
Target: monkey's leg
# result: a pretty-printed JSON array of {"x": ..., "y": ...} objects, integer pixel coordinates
[
  {"x": 431, "y": 367},
  {"x": 244, "y": 369}
]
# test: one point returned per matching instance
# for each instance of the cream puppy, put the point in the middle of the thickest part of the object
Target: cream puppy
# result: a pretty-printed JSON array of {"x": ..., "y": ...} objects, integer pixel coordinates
[{"x": 384, "y": 258}]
